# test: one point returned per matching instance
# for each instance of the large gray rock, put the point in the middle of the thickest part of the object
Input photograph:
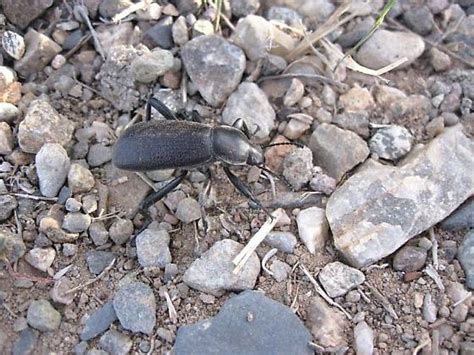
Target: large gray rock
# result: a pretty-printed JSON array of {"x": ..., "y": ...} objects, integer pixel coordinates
[
  {"x": 462, "y": 218},
  {"x": 214, "y": 65},
  {"x": 43, "y": 124},
  {"x": 249, "y": 323},
  {"x": 381, "y": 207},
  {"x": 251, "y": 104},
  {"x": 336, "y": 150},
  {"x": 22, "y": 12},
  {"x": 466, "y": 258},
  {"x": 213, "y": 272}
]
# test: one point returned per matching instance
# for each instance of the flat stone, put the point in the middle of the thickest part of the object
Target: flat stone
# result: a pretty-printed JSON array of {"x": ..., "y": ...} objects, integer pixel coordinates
[
  {"x": 466, "y": 258},
  {"x": 336, "y": 150},
  {"x": 42, "y": 316},
  {"x": 188, "y": 210},
  {"x": 12, "y": 246},
  {"x": 7, "y": 205},
  {"x": 40, "y": 258},
  {"x": 313, "y": 228},
  {"x": 338, "y": 278},
  {"x": 23, "y": 12},
  {"x": 327, "y": 324},
  {"x": 80, "y": 179},
  {"x": 149, "y": 66},
  {"x": 43, "y": 124},
  {"x": 385, "y": 47},
  {"x": 297, "y": 167},
  {"x": 409, "y": 258},
  {"x": 115, "y": 342},
  {"x": 40, "y": 50},
  {"x": 280, "y": 270},
  {"x": 364, "y": 339},
  {"x": 392, "y": 143},
  {"x": 6, "y": 139},
  {"x": 153, "y": 247},
  {"x": 419, "y": 20},
  {"x": 52, "y": 167},
  {"x": 135, "y": 306},
  {"x": 461, "y": 218},
  {"x": 26, "y": 343},
  {"x": 121, "y": 231},
  {"x": 381, "y": 207},
  {"x": 356, "y": 99},
  {"x": 99, "y": 154},
  {"x": 98, "y": 260},
  {"x": 248, "y": 323},
  {"x": 215, "y": 66},
  {"x": 99, "y": 321},
  {"x": 356, "y": 121},
  {"x": 76, "y": 222},
  {"x": 213, "y": 271},
  {"x": 251, "y": 104},
  {"x": 13, "y": 44},
  {"x": 283, "y": 241}
]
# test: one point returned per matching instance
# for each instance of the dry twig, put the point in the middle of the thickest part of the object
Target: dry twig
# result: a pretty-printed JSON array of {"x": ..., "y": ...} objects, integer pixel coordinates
[
  {"x": 431, "y": 272},
  {"x": 91, "y": 281},
  {"x": 267, "y": 257},
  {"x": 171, "y": 310},
  {"x": 385, "y": 302}
]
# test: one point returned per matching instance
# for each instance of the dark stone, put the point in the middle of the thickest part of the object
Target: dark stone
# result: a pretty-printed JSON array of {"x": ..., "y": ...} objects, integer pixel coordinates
[
  {"x": 159, "y": 35},
  {"x": 26, "y": 343},
  {"x": 419, "y": 20},
  {"x": 409, "y": 258},
  {"x": 98, "y": 260},
  {"x": 249, "y": 323},
  {"x": 73, "y": 39},
  {"x": 22, "y": 12},
  {"x": 99, "y": 321},
  {"x": 466, "y": 258},
  {"x": 461, "y": 218}
]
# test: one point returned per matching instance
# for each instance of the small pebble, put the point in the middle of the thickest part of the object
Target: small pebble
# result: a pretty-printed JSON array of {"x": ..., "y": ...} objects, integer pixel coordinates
[
  {"x": 98, "y": 260},
  {"x": 297, "y": 167},
  {"x": 40, "y": 258},
  {"x": 280, "y": 270},
  {"x": 153, "y": 247},
  {"x": 188, "y": 210},
  {"x": 283, "y": 241},
  {"x": 338, "y": 278},
  {"x": 98, "y": 233},
  {"x": 80, "y": 179},
  {"x": 76, "y": 222},
  {"x": 393, "y": 142},
  {"x": 52, "y": 167},
  {"x": 121, "y": 230},
  {"x": 313, "y": 228},
  {"x": 364, "y": 339},
  {"x": 409, "y": 258},
  {"x": 429, "y": 309},
  {"x": 69, "y": 249},
  {"x": 115, "y": 342},
  {"x": 13, "y": 44},
  {"x": 73, "y": 205},
  {"x": 42, "y": 316}
]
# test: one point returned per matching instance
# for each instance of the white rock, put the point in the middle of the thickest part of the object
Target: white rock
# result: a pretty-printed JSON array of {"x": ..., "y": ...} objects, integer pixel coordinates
[
  {"x": 40, "y": 258},
  {"x": 313, "y": 228},
  {"x": 52, "y": 167}
]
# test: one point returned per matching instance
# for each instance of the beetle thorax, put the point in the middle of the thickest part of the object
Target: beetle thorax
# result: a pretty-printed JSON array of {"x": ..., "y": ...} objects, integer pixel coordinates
[{"x": 231, "y": 146}]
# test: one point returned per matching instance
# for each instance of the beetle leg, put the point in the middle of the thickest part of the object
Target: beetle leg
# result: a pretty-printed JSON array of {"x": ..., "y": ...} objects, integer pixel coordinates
[
  {"x": 244, "y": 189},
  {"x": 160, "y": 107},
  {"x": 242, "y": 125},
  {"x": 158, "y": 195},
  {"x": 204, "y": 195}
]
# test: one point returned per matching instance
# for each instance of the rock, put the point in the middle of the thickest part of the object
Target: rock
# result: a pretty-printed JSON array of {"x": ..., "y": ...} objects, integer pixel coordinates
[
  {"x": 336, "y": 150},
  {"x": 115, "y": 342},
  {"x": 111, "y": 36},
  {"x": 80, "y": 179},
  {"x": 326, "y": 324},
  {"x": 322, "y": 182},
  {"x": 460, "y": 313},
  {"x": 98, "y": 260},
  {"x": 11, "y": 246},
  {"x": 149, "y": 66},
  {"x": 248, "y": 323},
  {"x": 283, "y": 241},
  {"x": 251, "y": 104},
  {"x": 59, "y": 291},
  {"x": 159, "y": 35},
  {"x": 357, "y": 122},
  {"x": 213, "y": 271},
  {"x": 13, "y": 44},
  {"x": 385, "y": 47},
  {"x": 280, "y": 270},
  {"x": 40, "y": 258},
  {"x": 73, "y": 205},
  {"x": 52, "y": 167},
  {"x": 313, "y": 228},
  {"x": 127, "y": 195},
  {"x": 297, "y": 167},
  {"x": 40, "y": 50},
  {"x": 363, "y": 339},
  {"x": 23, "y": 12},
  {"x": 409, "y": 259},
  {"x": 43, "y": 124},
  {"x": 392, "y": 143},
  {"x": 355, "y": 33},
  {"x": 381, "y": 207},
  {"x": 99, "y": 154},
  {"x": 139, "y": 315},
  {"x": 26, "y": 343},
  {"x": 179, "y": 31},
  {"x": 299, "y": 123},
  {"x": 435, "y": 127},
  {"x": 8, "y": 112},
  {"x": 386, "y": 95},
  {"x": 153, "y": 247},
  {"x": 440, "y": 61},
  {"x": 6, "y": 139},
  {"x": 284, "y": 15},
  {"x": 461, "y": 218},
  {"x": 338, "y": 278},
  {"x": 429, "y": 309},
  {"x": 356, "y": 99},
  {"x": 466, "y": 258},
  {"x": 116, "y": 79},
  {"x": 294, "y": 93},
  {"x": 42, "y": 316},
  {"x": 202, "y": 27},
  {"x": 7, "y": 205},
  {"x": 242, "y": 8},
  {"x": 121, "y": 231},
  {"x": 215, "y": 66},
  {"x": 257, "y": 37},
  {"x": 188, "y": 210},
  {"x": 110, "y": 8},
  {"x": 98, "y": 233},
  {"x": 99, "y": 321},
  {"x": 76, "y": 222},
  {"x": 419, "y": 20}
]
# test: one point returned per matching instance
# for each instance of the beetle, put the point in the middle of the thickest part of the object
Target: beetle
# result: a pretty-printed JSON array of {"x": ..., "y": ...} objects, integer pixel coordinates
[{"x": 173, "y": 143}]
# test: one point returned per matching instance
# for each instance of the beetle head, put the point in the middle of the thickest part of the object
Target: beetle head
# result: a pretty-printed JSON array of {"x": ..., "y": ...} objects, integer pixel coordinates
[{"x": 255, "y": 156}]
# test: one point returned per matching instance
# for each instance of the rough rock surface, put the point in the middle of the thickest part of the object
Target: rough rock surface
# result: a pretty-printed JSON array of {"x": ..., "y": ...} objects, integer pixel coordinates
[
  {"x": 249, "y": 323},
  {"x": 22, "y": 15},
  {"x": 338, "y": 278},
  {"x": 381, "y": 207}
]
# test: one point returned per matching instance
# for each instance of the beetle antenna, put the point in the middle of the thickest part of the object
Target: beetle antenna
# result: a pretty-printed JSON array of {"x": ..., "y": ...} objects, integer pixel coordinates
[{"x": 299, "y": 145}]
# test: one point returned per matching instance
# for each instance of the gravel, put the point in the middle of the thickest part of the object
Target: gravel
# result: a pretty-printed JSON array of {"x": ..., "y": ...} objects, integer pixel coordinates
[{"x": 153, "y": 247}]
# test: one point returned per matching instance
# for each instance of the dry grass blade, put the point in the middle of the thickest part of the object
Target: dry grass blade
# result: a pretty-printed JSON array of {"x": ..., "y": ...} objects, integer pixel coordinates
[
  {"x": 171, "y": 310},
  {"x": 431, "y": 272},
  {"x": 130, "y": 10},
  {"x": 90, "y": 282},
  {"x": 241, "y": 258},
  {"x": 385, "y": 302},
  {"x": 267, "y": 257}
]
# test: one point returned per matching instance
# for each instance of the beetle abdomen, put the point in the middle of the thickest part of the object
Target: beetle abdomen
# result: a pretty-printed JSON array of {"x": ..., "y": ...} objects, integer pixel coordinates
[{"x": 159, "y": 145}]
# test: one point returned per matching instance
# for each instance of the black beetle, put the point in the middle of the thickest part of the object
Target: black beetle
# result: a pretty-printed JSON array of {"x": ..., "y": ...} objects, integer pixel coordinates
[{"x": 171, "y": 143}]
